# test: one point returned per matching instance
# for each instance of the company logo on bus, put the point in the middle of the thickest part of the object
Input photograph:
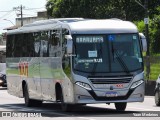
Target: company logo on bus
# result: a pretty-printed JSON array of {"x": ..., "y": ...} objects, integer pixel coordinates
[
  {"x": 23, "y": 68},
  {"x": 119, "y": 85}
]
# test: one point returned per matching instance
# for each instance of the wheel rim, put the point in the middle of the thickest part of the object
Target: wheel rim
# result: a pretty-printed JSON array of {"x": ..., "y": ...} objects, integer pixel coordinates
[{"x": 26, "y": 96}]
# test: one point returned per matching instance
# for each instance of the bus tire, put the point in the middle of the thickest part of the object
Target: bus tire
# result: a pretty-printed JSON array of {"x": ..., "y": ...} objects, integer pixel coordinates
[
  {"x": 121, "y": 106},
  {"x": 30, "y": 102},
  {"x": 4, "y": 85},
  {"x": 157, "y": 98},
  {"x": 64, "y": 106},
  {"x": 37, "y": 103}
]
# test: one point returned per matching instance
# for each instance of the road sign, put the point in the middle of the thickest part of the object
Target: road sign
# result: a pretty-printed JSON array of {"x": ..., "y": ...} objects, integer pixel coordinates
[{"x": 146, "y": 20}]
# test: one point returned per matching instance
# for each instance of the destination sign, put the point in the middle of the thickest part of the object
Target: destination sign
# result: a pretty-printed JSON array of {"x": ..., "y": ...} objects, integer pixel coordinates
[{"x": 89, "y": 39}]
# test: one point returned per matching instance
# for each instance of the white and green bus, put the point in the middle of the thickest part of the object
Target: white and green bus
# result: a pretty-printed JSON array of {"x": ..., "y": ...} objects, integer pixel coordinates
[{"x": 76, "y": 61}]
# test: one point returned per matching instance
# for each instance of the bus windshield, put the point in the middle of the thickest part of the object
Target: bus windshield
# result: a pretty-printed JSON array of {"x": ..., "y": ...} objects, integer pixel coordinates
[{"x": 107, "y": 53}]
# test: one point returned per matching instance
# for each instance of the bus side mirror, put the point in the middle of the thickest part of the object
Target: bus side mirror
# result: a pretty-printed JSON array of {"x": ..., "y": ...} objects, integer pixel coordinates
[
  {"x": 69, "y": 44},
  {"x": 144, "y": 42}
]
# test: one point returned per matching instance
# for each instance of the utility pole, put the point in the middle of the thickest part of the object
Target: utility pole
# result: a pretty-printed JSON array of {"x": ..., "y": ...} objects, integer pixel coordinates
[
  {"x": 21, "y": 16},
  {"x": 146, "y": 21},
  {"x": 148, "y": 40},
  {"x": 20, "y": 8}
]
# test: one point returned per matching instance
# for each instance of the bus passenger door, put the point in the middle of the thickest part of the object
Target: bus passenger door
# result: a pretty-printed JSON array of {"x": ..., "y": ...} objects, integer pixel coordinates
[
  {"x": 50, "y": 53},
  {"x": 45, "y": 72},
  {"x": 36, "y": 88}
]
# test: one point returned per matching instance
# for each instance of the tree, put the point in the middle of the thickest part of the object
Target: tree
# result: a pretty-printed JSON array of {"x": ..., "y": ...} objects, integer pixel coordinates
[
  {"x": 155, "y": 34},
  {"x": 123, "y": 9}
]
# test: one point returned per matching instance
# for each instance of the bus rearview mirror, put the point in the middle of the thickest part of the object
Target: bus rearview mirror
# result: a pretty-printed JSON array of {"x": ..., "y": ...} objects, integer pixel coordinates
[
  {"x": 69, "y": 44},
  {"x": 144, "y": 42}
]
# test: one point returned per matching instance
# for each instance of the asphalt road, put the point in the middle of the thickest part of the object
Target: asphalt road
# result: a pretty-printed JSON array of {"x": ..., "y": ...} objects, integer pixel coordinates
[{"x": 147, "y": 109}]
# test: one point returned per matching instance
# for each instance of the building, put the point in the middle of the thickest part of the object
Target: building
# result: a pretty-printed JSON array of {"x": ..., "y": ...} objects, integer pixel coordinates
[
  {"x": 2, "y": 53},
  {"x": 26, "y": 20},
  {"x": 3, "y": 39}
]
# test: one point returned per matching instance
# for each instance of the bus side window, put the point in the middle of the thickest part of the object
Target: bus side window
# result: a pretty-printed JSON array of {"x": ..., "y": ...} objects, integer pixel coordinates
[
  {"x": 55, "y": 43},
  {"x": 17, "y": 46},
  {"x": 44, "y": 38},
  {"x": 28, "y": 50},
  {"x": 9, "y": 47},
  {"x": 65, "y": 59},
  {"x": 64, "y": 41},
  {"x": 25, "y": 43},
  {"x": 64, "y": 32},
  {"x": 54, "y": 39},
  {"x": 36, "y": 44},
  {"x": 52, "y": 43}
]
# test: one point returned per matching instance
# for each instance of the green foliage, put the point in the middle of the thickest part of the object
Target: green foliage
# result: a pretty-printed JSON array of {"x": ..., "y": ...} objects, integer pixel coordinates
[
  {"x": 140, "y": 25},
  {"x": 154, "y": 33},
  {"x": 123, "y": 9},
  {"x": 154, "y": 69}
]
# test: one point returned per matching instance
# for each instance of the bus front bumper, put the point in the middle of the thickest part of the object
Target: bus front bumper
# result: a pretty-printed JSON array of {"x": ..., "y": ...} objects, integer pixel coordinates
[{"x": 99, "y": 96}]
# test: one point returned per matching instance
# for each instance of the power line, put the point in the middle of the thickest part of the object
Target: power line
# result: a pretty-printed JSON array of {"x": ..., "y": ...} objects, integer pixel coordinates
[
  {"x": 20, "y": 8},
  {"x": 24, "y": 9},
  {"x": 10, "y": 15},
  {"x": 30, "y": 15},
  {"x": 34, "y": 8},
  {"x": 31, "y": 11},
  {"x": 6, "y": 14},
  {"x": 7, "y": 11},
  {"x": 9, "y": 21}
]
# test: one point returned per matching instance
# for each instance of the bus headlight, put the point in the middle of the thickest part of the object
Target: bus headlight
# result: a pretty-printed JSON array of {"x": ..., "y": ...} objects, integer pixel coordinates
[
  {"x": 83, "y": 85},
  {"x": 136, "y": 84}
]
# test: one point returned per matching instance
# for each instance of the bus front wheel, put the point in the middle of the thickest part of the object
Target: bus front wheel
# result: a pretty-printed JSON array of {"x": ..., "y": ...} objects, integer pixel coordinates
[
  {"x": 120, "y": 106},
  {"x": 157, "y": 98},
  {"x": 64, "y": 106}
]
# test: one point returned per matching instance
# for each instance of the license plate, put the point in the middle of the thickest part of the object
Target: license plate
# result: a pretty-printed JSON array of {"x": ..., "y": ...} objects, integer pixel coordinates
[{"x": 111, "y": 94}]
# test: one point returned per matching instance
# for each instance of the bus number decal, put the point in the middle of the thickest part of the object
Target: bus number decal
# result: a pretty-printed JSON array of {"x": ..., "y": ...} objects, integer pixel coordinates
[{"x": 23, "y": 68}]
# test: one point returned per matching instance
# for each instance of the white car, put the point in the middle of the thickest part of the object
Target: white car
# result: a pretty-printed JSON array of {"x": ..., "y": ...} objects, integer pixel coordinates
[
  {"x": 3, "y": 82},
  {"x": 157, "y": 92}
]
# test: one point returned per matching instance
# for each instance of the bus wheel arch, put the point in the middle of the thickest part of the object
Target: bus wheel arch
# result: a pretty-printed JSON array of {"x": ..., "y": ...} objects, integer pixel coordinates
[
  {"x": 23, "y": 85},
  {"x": 60, "y": 98},
  {"x": 28, "y": 101},
  {"x": 58, "y": 92}
]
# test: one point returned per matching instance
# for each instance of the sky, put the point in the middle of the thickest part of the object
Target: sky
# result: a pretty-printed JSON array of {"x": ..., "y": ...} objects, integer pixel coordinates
[{"x": 8, "y": 15}]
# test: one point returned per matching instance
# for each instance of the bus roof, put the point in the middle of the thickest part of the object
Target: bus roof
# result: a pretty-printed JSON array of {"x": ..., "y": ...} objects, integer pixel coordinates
[
  {"x": 80, "y": 26},
  {"x": 103, "y": 26}
]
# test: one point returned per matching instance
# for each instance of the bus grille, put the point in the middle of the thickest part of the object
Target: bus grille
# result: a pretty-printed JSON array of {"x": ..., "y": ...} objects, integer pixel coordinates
[{"x": 110, "y": 80}]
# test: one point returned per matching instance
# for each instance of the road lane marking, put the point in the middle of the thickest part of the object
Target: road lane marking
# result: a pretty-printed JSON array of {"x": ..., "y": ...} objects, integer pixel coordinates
[
  {"x": 51, "y": 112},
  {"x": 86, "y": 118},
  {"x": 144, "y": 109}
]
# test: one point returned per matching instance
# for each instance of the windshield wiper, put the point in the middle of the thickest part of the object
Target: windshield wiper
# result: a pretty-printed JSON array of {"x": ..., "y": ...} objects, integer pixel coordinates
[
  {"x": 120, "y": 60},
  {"x": 112, "y": 51}
]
